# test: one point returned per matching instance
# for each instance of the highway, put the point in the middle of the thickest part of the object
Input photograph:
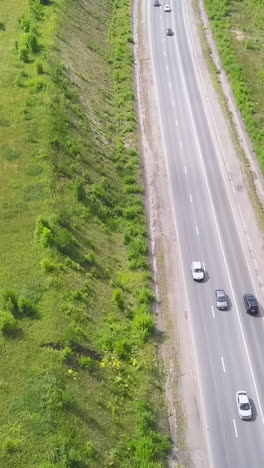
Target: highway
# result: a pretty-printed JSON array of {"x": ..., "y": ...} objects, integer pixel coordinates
[{"x": 229, "y": 345}]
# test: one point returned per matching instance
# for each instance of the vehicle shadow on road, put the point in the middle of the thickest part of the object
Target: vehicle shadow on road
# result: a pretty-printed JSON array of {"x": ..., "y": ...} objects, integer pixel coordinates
[
  {"x": 260, "y": 313},
  {"x": 254, "y": 410},
  {"x": 206, "y": 277},
  {"x": 229, "y": 303}
]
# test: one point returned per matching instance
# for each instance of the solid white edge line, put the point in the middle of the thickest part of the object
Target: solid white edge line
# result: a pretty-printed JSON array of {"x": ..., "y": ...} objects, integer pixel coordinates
[
  {"x": 235, "y": 429},
  {"x": 218, "y": 230},
  {"x": 212, "y": 309},
  {"x": 197, "y": 232},
  {"x": 223, "y": 364}
]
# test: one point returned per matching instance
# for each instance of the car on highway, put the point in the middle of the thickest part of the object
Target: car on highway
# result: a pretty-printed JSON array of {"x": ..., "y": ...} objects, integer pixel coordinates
[
  {"x": 244, "y": 407},
  {"x": 251, "y": 304},
  {"x": 221, "y": 299},
  {"x": 167, "y": 8},
  {"x": 169, "y": 32},
  {"x": 157, "y": 3},
  {"x": 197, "y": 271}
]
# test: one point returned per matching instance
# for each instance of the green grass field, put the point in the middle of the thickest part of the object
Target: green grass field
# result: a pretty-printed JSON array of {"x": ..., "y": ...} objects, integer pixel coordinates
[
  {"x": 80, "y": 382},
  {"x": 238, "y": 28}
]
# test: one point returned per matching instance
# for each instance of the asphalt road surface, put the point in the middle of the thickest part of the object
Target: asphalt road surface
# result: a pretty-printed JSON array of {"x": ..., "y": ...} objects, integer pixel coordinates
[{"x": 229, "y": 344}]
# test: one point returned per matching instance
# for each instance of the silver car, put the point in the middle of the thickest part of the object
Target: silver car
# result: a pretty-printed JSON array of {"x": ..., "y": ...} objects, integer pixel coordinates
[
  {"x": 221, "y": 299},
  {"x": 244, "y": 407}
]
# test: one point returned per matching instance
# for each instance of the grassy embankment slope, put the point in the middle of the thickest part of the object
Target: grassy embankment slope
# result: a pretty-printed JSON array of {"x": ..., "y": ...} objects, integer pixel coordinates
[
  {"x": 238, "y": 27},
  {"x": 80, "y": 384}
]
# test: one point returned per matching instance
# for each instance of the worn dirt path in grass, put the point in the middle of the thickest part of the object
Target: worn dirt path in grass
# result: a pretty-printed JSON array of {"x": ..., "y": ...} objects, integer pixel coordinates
[{"x": 185, "y": 418}]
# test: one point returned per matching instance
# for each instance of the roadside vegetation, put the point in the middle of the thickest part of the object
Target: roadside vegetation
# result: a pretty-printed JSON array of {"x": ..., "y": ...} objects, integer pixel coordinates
[
  {"x": 238, "y": 30},
  {"x": 80, "y": 384}
]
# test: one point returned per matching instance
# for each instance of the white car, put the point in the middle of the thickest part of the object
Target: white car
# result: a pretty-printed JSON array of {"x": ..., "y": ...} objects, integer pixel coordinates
[
  {"x": 167, "y": 8},
  {"x": 197, "y": 271},
  {"x": 244, "y": 407}
]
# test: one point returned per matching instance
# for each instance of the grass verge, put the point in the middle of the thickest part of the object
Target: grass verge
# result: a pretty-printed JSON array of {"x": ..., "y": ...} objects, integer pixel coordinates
[
  {"x": 80, "y": 382},
  {"x": 238, "y": 31}
]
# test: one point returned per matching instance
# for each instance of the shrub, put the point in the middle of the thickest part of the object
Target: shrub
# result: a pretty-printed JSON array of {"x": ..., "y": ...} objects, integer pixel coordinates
[
  {"x": 73, "y": 335},
  {"x": 66, "y": 355},
  {"x": 37, "y": 84},
  {"x": 23, "y": 54},
  {"x": 122, "y": 348},
  {"x": 87, "y": 363},
  {"x": 8, "y": 323},
  {"x": 90, "y": 449},
  {"x": 25, "y": 307},
  {"x": 137, "y": 248},
  {"x": 90, "y": 258},
  {"x": 39, "y": 67},
  {"x": 79, "y": 190},
  {"x": 143, "y": 322},
  {"x": 10, "y": 301},
  {"x": 11, "y": 446},
  {"x": 49, "y": 266},
  {"x": 64, "y": 240},
  {"x": 31, "y": 42},
  {"x": 25, "y": 23},
  {"x": 117, "y": 298},
  {"x": 43, "y": 232},
  {"x": 145, "y": 295}
]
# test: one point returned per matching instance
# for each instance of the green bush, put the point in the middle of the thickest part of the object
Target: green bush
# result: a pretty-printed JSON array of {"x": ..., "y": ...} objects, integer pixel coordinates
[
  {"x": 73, "y": 336},
  {"x": 145, "y": 295},
  {"x": 10, "y": 446},
  {"x": 87, "y": 363},
  {"x": 117, "y": 298},
  {"x": 8, "y": 323},
  {"x": 79, "y": 190},
  {"x": 137, "y": 248},
  {"x": 25, "y": 307},
  {"x": 66, "y": 355},
  {"x": 25, "y": 23},
  {"x": 90, "y": 449},
  {"x": 49, "y": 266},
  {"x": 123, "y": 348},
  {"x": 39, "y": 67},
  {"x": 10, "y": 301},
  {"x": 43, "y": 233},
  {"x": 31, "y": 42},
  {"x": 36, "y": 84},
  {"x": 90, "y": 258},
  {"x": 143, "y": 322},
  {"x": 23, "y": 54}
]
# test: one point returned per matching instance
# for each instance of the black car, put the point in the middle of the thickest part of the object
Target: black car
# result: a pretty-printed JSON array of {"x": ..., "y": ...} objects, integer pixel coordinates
[
  {"x": 251, "y": 304},
  {"x": 156, "y": 3},
  {"x": 169, "y": 32}
]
